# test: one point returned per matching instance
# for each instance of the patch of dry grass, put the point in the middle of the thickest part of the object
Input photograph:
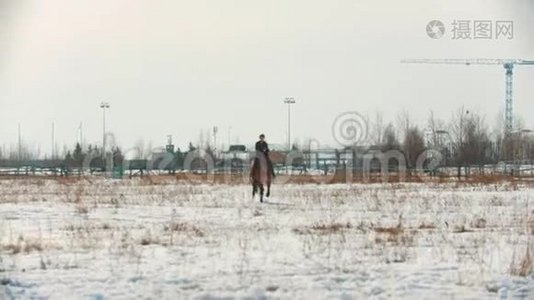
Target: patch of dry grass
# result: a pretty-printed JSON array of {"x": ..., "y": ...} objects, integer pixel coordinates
[
  {"x": 184, "y": 228},
  {"x": 390, "y": 230},
  {"x": 395, "y": 235},
  {"x": 23, "y": 245},
  {"x": 88, "y": 227},
  {"x": 339, "y": 176},
  {"x": 530, "y": 226},
  {"x": 322, "y": 228},
  {"x": 429, "y": 225},
  {"x": 149, "y": 239},
  {"x": 81, "y": 209},
  {"x": 461, "y": 229},
  {"x": 479, "y": 223}
]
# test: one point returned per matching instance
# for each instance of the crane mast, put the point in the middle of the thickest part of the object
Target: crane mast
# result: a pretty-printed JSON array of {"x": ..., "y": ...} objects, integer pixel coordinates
[{"x": 508, "y": 65}]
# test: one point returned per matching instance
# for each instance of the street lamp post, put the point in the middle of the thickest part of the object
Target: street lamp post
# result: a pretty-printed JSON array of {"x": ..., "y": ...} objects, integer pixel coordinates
[
  {"x": 215, "y": 131},
  {"x": 104, "y": 105},
  {"x": 289, "y": 101},
  {"x": 19, "y": 157}
]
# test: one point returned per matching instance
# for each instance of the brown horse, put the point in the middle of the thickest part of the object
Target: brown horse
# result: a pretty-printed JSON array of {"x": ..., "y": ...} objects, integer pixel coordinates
[{"x": 260, "y": 176}]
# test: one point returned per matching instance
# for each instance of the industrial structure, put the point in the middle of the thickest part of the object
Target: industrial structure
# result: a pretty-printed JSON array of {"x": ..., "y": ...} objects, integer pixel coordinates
[{"x": 508, "y": 65}]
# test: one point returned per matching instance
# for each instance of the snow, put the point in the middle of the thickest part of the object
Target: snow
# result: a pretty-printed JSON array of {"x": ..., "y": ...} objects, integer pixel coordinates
[{"x": 124, "y": 239}]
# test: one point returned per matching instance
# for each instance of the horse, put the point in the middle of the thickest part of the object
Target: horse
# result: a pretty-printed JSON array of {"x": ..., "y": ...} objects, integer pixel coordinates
[{"x": 260, "y": 176}]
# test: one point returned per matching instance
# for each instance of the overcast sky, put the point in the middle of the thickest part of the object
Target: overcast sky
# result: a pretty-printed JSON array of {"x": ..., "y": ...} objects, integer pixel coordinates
[{"x": 181, "y": 67}]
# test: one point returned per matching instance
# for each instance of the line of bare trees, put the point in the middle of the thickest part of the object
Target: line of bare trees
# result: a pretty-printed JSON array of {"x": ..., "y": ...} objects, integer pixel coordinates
[{"x": 464, "y": 139}]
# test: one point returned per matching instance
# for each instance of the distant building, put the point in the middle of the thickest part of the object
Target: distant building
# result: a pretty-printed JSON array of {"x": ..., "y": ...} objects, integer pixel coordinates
[
  {"x": 237, "y": 148},
  {"x": 236, "y": 154}
]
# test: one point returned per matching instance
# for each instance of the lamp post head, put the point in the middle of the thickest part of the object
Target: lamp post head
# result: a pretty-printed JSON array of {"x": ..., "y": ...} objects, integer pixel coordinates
[
  {"x": 104, "y": 105},
  {"x": 289, "y": 100}
]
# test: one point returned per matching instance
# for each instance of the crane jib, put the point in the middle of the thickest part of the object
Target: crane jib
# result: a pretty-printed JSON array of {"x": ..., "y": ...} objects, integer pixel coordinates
[{"x": 475, "y": 61}]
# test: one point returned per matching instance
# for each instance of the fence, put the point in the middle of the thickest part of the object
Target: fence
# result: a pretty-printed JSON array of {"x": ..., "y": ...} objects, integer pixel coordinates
[{"x": 314, "y": 162}]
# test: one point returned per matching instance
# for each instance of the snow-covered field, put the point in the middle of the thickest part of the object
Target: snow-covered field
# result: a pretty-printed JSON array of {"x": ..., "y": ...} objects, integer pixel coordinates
[{"x": 130, "y": 239}]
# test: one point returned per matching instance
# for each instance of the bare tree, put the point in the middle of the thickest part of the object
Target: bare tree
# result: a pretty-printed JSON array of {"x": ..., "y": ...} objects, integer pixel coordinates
[
  {"x": 403, "y": 124},
  {"x": 530, "y": 147},
  {"x": 205, "y": 139},
  {"x": 413, "y": 146},
  {"x": 458, "y": 126},
  {"x": 143, "y": 150},
  {"x": 471, "y": 138},
  {"x": 519, "y": 122},
  {"x": 201, "y": 140},
  {"x": 139, "y": 149},
  {"x": 22, "y": 151},
  {"x": 377, "y": 128},
  {"x": 209, "y": 139},
  {"x": 390, "y": 141}
]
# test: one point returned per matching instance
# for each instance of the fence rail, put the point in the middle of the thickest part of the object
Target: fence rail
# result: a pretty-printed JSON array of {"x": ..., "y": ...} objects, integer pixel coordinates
[{"x": 308, "y": 163}]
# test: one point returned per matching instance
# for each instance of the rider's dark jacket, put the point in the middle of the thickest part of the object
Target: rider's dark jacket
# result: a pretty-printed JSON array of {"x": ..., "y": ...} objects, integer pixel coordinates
[{"x": 262, "y": 147}]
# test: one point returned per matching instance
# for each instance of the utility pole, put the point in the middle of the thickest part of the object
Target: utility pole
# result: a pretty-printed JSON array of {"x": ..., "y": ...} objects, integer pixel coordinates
[
  {"x": 53, "y": 140},
  {"x": 81, "y": 135},
  {"x": 229, "y": 135},
  {"x": 104, "y": 105},
  {"x": 20, "y": 145},
  {"x": 289, "y": 101},
  {"x": 215, "y": 130}
]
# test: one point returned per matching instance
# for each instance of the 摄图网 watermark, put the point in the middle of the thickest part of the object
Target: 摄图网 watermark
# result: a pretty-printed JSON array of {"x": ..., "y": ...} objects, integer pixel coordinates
[{"x": 471, "y": 29}]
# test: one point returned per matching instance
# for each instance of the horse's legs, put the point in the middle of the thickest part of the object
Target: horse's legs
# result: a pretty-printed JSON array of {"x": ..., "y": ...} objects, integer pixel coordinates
[
  {"x": 268, "y": 189},
  {"x": 254, "y": 189},
  {"x": 261, "y": 192}
]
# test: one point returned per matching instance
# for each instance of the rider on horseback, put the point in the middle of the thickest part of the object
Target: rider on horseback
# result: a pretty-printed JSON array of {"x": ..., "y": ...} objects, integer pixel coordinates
[{"x": 262, "y": 147}]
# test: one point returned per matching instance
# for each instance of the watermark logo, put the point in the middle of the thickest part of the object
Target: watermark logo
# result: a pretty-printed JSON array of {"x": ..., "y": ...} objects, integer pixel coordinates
[
  {"x": 472, "y": 29},
  {"x": 350, "y": 128},
  {"x": 504, "y": 29},
  {"x": 435, "y": 29}
]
